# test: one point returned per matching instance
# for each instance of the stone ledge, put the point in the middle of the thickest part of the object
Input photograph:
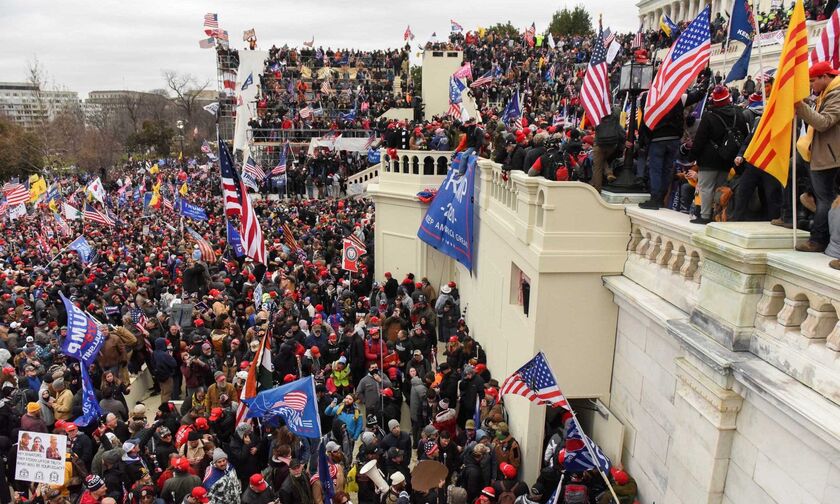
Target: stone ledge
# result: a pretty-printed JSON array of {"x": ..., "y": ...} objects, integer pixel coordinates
[
  {"x": 804, "y": 406},
  {"x": 700, "y": 345},
  {"x": 812, "y": 268},
  {"x": 753, "y": 235},
  {"x": 629, "y": 294},
  {"x": 666, "y": 222},
  {"x": 617, "y": 198}
]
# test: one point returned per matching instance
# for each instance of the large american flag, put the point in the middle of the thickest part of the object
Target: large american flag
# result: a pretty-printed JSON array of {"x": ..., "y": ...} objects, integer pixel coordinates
[
  {"x": 16, "y": 193},
  {"x": 595, "y": 92},
  {"x": 211, "y": 23},
  {"x": 536, "y": 382},
  {"x": 230, "y": 191},
  {"x": 686, "y": 58},
  {"x": 252, "y": 237},
  {"x": 207, "y": 252},
  {"x": 455, "y": 88},
  {"x": 484, "y": 79},
  {"x": 95, "y": 215},
  {"x": 253, "y": 169},
  {"x": 828, "y": 47}
]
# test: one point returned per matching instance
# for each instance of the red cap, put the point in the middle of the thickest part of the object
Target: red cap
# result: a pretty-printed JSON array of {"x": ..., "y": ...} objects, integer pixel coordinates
[
  {"x": 489, "y": 492},
  {"x": 561, "y": 456},
  {"x": 821, "y": 68},
  {"x": 215, "y": 414},
  {"x": 620, "y": 477},
  {"x": 258, "y": 482},
  {"x": 388, "y": 392},
  {"x": 453, "y": 339},
  {"x": 289, "y": 378},
  {"x": 182, "y": 464},
  {"x": 199, "y": 493},
  {"x": 387, "y": 274},
  {"x": 201, "y": 423},
  {"x": 315, "y": 351},
  {"x": 508, "y": 470}
]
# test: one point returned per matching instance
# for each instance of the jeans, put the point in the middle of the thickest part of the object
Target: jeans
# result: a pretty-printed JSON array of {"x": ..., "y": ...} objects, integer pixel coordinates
[
  {"x": 769, "y": 193},
  {"x": 661, "y": 156},
  {"x": 822, "y": 183}
]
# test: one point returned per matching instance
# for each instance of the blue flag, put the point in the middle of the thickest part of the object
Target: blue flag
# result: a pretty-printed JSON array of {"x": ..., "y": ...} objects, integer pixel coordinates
[
  {"x": 90, "y": 406},
  {"x": 82, "y": 246},
  {"x": 324, "y": 473},
  {"x": 248, "y": 81},
  {"x": 741, "y": 27},
  {"x": 512, "y": 110},
  {"x": 190, "y": 211},
  {"x": 83, "y": 339},
  {"x": 741, "y": 67},
  {"x": 448, "y": 224},
  {"x": 669, "y": 27},
  {"x": 235, "y": 240},
  {"x": 373, "y": 156},
  {"x": 294, "y": 402},
  {"x": 578, "y": 459}
]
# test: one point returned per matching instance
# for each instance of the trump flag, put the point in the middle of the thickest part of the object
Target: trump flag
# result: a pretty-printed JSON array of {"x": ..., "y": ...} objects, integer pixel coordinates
[
  {"x": 448, "y": 224},
  {"x": 294, "y": 402},
  {"x": 83, "y": 339}
]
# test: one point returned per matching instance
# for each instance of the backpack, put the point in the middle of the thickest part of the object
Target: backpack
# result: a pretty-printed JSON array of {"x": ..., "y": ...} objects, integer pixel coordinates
[
  {"x": 507, "y": 497},
  {"x": 575, "y": 493},
  {"x": 724, "y": 204},
  {"x": 729, "y": 146}
]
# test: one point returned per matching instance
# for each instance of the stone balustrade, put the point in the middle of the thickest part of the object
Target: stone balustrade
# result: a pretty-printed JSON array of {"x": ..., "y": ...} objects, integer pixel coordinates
[
  {"x": 662, "y": 258},
  {"x": 422, "y": 163}
]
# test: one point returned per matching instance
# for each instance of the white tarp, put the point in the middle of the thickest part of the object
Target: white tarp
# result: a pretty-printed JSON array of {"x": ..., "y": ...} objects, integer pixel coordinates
[
  {"x": 341, "y": 144},
  {"x": 250, "y": 63}
]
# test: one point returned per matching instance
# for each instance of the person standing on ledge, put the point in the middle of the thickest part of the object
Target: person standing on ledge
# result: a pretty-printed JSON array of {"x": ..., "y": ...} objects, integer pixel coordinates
[{"x": 821, "y": 145}]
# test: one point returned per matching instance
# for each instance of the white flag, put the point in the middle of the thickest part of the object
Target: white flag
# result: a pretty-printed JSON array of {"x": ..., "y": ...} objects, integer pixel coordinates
[
  {"x": 612, "y": 51},
  {"x": 71, "y": 213},
  {"x": 97, "y": 190},
  {"x": 17, "y": 211}
]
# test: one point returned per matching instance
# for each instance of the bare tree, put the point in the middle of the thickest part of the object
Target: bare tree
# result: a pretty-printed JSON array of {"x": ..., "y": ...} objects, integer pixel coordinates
[{"x": 187, "y": 90}]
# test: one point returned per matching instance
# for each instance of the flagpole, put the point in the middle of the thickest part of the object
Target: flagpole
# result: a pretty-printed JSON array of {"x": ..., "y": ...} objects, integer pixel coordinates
[
  {"x": 793, "y": 181},
  {"x": 725, "y": 45},
  {"x": 760, "y": 52},
  {"x": 584, "y": 437}
]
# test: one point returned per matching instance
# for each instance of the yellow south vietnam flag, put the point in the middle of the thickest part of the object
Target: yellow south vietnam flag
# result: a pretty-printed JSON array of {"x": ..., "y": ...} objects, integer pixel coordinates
[
  {"x": 154, "y": 169},
  {"x": 37, "y": 187},
  {"x": 183, "y": 190},
  {"x": 770, "y": 148},
  {"x": 155, "y": 201}
]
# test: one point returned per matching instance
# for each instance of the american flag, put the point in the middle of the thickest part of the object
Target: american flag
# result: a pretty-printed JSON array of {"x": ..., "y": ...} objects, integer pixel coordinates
[
  {"x": 484, "y": 79},
  {"x": 686, "y": 58},
  {"x": 455, "y": 89},
  {"x": 325, "y": 87},
  {"x": 62, "y": 225},
  {"x": 608, "y": 37},
  {"x": 280, "y": 169},
  {"x": 252, "y": 237},
  {"x": 360, "y": 246},
  {"x": 205, "y": 147},
  {"x": 230, "y": 193},
  {"x": 305, "y": 112},
  {"x": 529, "y": 34},
  {"x": 536, "y": 382},
  {"x": 512, "y": 111},
  {"x": 167, "y": 204},
  {"x": 828, "y": 47},
  {"x": 207, "y": 252},
  {"x": 16, "y": 193},
  {"x": 455, "y": 26},
  {"x": 595, "y": 92},
  {"x": 95, "y": 215},
  {"x": 370, "y": 141},
  {"x": 638, "y": 38},
  {"x": 253, "y": 169},
  {"x": 292, "y": 243},
  {"x": 138, "y": 318},
  {"x": 408, "y": 35},
  {"x": 211, "y": 23}
]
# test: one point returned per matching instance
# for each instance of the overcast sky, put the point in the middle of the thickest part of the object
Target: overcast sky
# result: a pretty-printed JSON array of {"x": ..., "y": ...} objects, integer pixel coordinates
[{"x": 108, "y": 44}]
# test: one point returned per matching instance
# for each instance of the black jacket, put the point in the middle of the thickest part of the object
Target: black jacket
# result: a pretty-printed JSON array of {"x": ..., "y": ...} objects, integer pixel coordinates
[{"x": 711, "y": 132}]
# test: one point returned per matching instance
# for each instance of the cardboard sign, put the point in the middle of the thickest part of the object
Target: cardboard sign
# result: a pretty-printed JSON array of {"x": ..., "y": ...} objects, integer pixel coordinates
[{"x": 41, "y": 457}]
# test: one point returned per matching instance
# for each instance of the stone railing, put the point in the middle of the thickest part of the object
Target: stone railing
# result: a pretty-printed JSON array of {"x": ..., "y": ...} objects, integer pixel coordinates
[
  {"x": 422, "y": 163},
  {"x": 554, "y": 219},
  {"x": 367, "y": 175},
  {"x": 662, "y": 258}
]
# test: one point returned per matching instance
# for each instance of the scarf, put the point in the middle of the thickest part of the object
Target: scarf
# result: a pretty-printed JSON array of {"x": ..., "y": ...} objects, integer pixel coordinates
[{"x": 803, "y": 145}]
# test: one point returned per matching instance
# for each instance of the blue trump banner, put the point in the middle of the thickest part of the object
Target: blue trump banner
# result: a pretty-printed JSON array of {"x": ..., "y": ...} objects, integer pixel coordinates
[
  {"x": 324, "y": 473},
  {"x": 90, "y": 406},
  {"x": 190, "y": 211},
  {"x": 294, "y": 402},
  {"x": 83, "y": 248},
  {"x": 235, "y": 240},
  {"x": 579, "y": 450},
  {"x": 448, "y": 224},
  {"x": 83, "y": 339},
  {"x": 740, "y": 68}
]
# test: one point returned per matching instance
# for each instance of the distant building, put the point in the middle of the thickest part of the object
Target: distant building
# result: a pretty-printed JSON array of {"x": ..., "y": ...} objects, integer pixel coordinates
[{"x": 28, "y": 105}]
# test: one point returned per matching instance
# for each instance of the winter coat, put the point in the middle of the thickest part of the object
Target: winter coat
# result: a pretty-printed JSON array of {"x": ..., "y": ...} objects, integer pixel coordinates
[
  {"x": 112, "y": 353},
  {"x": 416, "y": 399},
  {"x": 711, "y": 132},
  {"x": 351, "y": 417},
  {"x": 825, "y": 146},
  {"x": 165, "y": 366},
  {"x": 368, "y": 391},
  {"x": 179, "y": 485},
  {"x": 223, "y": 487}
]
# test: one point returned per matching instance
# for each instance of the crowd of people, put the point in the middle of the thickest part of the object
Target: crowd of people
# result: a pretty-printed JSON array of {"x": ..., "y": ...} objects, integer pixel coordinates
[{"x": 399, "y": 376}]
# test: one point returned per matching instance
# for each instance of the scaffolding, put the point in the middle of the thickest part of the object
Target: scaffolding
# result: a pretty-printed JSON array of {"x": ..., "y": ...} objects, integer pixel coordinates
[{"x": 227, "y": 65}]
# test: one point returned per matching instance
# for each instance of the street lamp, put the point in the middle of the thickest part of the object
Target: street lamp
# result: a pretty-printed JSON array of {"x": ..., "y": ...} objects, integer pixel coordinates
[
  {"x": 180, "y": 125},
  {"x": 636, "y": 76}
]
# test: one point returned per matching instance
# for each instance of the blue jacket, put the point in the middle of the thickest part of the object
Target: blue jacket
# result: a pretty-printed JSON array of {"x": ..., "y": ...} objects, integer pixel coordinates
[{"x": 352, "y": 418}]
